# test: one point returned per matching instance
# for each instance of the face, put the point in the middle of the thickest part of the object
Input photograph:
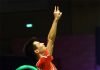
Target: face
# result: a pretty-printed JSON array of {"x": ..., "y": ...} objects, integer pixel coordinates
[{"x": 40, "y": 47}]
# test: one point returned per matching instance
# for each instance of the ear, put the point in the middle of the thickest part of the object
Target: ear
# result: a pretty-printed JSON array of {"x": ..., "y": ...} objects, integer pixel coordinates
[{"x": 36, "y": 51}]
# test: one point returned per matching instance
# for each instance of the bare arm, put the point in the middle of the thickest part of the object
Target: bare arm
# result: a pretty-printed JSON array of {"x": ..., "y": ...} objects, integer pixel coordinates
[{"x": 52, "y": 33}]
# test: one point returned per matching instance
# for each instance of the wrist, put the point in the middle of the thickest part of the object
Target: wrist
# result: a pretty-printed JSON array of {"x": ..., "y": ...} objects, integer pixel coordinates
[{"x": 56, "y": 19}]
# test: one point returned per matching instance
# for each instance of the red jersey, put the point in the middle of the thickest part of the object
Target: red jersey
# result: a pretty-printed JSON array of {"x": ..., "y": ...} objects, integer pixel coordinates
[{"x": 45, "y": 62}]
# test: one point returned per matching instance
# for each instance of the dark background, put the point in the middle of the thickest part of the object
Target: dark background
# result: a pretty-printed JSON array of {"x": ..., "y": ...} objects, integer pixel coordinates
[
  {"x": 14, "y": 15},
  {"x": 78, "y": 29}
]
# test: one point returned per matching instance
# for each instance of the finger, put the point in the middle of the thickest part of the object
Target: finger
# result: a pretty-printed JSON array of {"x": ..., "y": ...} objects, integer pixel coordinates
[
  {"x": 55, "y": 9},
  {"x": 58, "y": 9},
  {"x": 61, "y": 13}
]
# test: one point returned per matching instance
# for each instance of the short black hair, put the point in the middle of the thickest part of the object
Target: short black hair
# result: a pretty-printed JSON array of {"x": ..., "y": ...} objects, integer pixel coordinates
[{"x": 29, "y": 48}]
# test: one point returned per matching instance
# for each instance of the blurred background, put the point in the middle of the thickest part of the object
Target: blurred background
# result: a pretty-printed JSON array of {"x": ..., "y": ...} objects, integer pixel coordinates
[{"x": 77, "y": 45}]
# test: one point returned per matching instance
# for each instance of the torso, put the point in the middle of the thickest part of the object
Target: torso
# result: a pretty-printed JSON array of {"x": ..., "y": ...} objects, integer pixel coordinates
[{"x": 45, "y": 62}]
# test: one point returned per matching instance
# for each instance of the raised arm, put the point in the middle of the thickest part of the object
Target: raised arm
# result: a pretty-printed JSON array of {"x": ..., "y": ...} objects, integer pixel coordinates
[{"x": 52, "y": 33}]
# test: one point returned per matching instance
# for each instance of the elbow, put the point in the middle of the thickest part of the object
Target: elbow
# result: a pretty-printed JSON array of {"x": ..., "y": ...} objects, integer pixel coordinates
[{"x": 50, "y": 38}]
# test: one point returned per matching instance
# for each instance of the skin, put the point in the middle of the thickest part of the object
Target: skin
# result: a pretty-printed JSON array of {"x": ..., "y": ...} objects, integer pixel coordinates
[{"x": 51, "y": 36}]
